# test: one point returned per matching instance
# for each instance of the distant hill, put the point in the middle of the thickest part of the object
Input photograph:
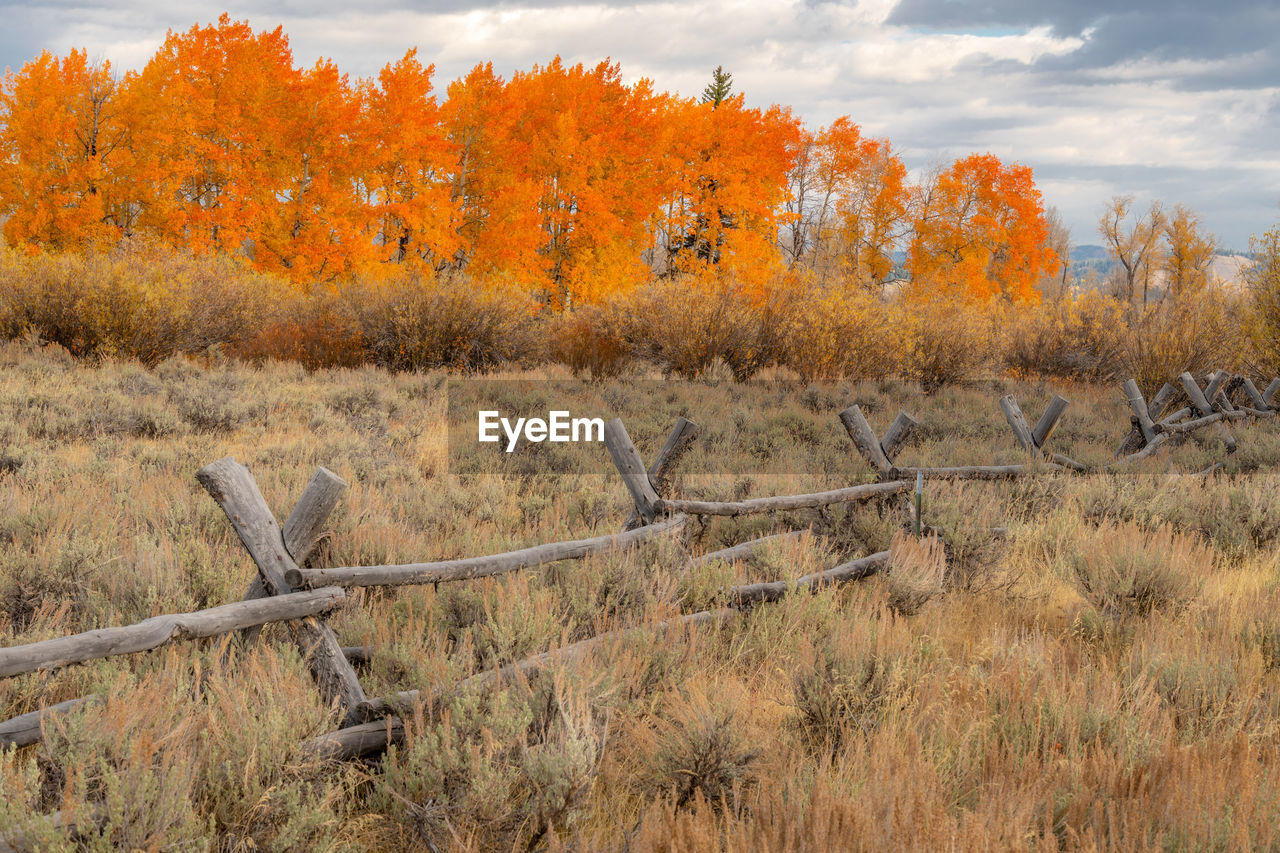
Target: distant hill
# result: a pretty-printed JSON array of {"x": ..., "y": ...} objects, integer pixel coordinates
[{"x": 1091, "y": 262}]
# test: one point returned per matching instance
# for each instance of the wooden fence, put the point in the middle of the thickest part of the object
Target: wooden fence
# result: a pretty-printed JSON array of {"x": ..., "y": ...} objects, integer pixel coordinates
[{"x": 284, "y": 591}]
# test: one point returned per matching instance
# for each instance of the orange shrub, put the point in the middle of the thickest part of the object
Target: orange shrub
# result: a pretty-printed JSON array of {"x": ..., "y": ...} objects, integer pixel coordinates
[
  {"x": 590, "y": 340},
  {"x": 685, "y": 324},
  {"x": 142, "y": 300},
  {"x": 417, "y": 323},
  {"x": 837, "y": 332}
]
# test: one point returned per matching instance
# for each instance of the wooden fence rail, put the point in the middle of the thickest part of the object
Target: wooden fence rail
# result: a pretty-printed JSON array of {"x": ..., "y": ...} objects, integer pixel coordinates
[{"x": 160, "y": 630}]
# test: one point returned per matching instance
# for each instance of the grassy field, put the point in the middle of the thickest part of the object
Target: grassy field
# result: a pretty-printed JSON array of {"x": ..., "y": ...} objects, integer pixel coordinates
[{"x": 1105, "y": 675}]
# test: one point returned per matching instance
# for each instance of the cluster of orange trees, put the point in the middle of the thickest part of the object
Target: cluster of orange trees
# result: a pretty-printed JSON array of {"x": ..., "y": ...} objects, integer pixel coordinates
[{"x": 566, "y": 182}]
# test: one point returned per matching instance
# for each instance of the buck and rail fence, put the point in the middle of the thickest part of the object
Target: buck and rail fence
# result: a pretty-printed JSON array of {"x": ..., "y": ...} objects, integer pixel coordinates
[{"x": 284, "y": 591}]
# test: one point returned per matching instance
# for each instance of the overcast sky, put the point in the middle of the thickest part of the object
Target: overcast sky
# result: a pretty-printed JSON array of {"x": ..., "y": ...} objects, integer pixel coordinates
[{"x": 1177, "y": 100}]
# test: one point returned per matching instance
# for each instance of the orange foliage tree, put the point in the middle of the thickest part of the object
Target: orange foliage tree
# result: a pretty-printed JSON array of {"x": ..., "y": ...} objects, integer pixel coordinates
[
  {"x": 849, "y": 205},
  {"x": 728, "y": 166},
  {"x": 408, "y": 174},
  {"x": 979, "y": 229},
  {"x": 211, "y": 156},
  {"x": 566, "y": 192},
  {"x": 61, "y": 132}
]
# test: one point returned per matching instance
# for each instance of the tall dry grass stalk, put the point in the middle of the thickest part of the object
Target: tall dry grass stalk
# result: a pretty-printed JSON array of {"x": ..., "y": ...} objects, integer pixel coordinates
[{"x": 916, "y": 570}]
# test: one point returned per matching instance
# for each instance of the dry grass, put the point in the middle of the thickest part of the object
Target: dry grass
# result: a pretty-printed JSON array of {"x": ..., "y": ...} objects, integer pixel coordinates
[{"x": 1105, "y": 676}]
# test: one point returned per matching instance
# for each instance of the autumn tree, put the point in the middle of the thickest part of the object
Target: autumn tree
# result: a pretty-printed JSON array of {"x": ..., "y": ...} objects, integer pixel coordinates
[
  {"x": 316, "y": 229},
  {"x": 979, "y": 228},
  {"x": 1134, "y": 246},
  {"x": 211, "y": 140},
  {"x": 1263, "y": 279},
  {"x": 728, "y": 168},
  {"x": 473, "y": 118},
  {"x": 848, "y": 205},
  {"x": 567, "y": 187},
  {"x": 62, "y": 136},
  {"x": 1187, "y": 256},
  {"x": 410, "y": 168}
]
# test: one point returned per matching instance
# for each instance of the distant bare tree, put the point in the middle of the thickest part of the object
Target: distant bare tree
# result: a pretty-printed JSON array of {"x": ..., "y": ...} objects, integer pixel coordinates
[{"x": 1135, "y": 247}]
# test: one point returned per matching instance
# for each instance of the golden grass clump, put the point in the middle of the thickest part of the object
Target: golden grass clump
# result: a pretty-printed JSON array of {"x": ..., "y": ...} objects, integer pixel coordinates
[
  {"x": 1127, "y": 571},
  {"x": 916, "y": 571}
]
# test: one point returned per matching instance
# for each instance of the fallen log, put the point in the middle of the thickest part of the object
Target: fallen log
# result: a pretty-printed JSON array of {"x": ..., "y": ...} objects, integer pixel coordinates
[
  {"x": 853, "y": 570},
  {"x": 781, "y": 503},
  {"x": 745, "y": 549},
  {"x": 25, "y": 729},
  {"x": 371, "y": 738},
  {"x": 161, "y": 630},
  {"x": 479, "y": 567},
  {"x": 977, "y": 472}
]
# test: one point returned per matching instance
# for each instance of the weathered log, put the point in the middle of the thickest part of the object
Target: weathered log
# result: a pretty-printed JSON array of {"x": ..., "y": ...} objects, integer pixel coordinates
[
  {"x": 1157, "y": 404},
  {"x": 679, "y": 440},
  {"x": 864, "y": 438},
  {"x": 1254, "y": 395},
  {"x": 24, "y": 729},
  {"x": 1269, "y": 395},
  {"x": 1159, "y": 441},
  {"x": 1217, "y": 380},
  {"x": 853, "y": 570},
  {"x": 743, "y": 550},
  {"x": 357, "y": 654},
  {"x": 1049, "y": 420},
  {"x": 1195, "y": 394},
  {"x": 1018, "y": 421},
  {"x": 1184, "y": 412},
  {"x": 899, "y": 433},
  {"x": 1068, "y": 462},
  {"x": 1221, "y": 403},
  {"x": 788, "y": 502},
  {"x": 1145, "y": 425},
  {"x": 1210, "y": 471},
  {"x": 76, "y": 825},
  {"x": 973, "y": 472},
  {"x": 374, "y": 737},
  {"x": 160, "y": 630},
  {"x": 302, "y": 529},
  {"x": 234, "y": 489},
  {"x": 629, "y": 464},
  {"x": 1197, "y": 423},
  {"x": 479, "y": 567}
]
